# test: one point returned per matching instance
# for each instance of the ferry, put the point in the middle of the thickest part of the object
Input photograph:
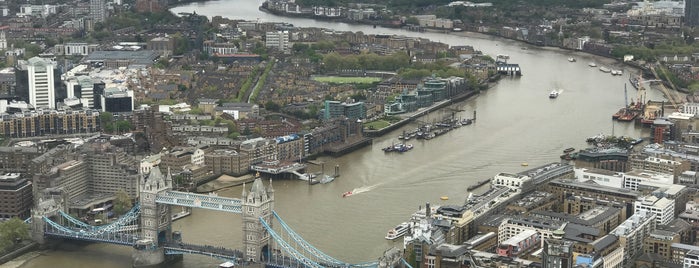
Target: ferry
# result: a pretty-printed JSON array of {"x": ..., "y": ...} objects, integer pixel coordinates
[
  {"x": 553, "y": 94},
  {"x": 346, "y": 194},
  {"x": 398, "y": 231}
]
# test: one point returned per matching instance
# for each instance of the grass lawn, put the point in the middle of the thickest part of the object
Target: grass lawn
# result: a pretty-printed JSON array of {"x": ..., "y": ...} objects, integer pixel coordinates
[
  {"x": 346, "y": 80},
  {"x": 378, "y": 124}
]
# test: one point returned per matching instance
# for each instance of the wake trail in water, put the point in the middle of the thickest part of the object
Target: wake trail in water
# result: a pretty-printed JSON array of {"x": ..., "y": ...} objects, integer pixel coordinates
[{"x": 365, "y": 189}]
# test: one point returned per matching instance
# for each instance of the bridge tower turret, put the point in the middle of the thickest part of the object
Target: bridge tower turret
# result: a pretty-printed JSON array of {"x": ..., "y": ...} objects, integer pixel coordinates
[
  {"x": 156, "y": 220},
  {"x": 257, "y": 203}
]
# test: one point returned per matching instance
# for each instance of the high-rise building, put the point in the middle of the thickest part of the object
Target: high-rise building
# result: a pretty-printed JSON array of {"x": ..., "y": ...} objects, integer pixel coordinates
[
  {"x": 691, "y": 12},
  {"x": 98, "y": 10},
  {"x": 557, "y": 253},
  {"x": 40, "y": 75},
  {"x": 278, "y": 40}
]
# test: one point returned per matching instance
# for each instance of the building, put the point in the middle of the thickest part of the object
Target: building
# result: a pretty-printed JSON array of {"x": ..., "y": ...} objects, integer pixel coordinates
[
  {"x": 115, "y": 100},
  {"x": 116, "y": 59},
  {"x": 75, "y": 49},
  {"x": 238, "y": 110},
  {"x": 290, "y": 148},
  {"x": 17, "y": 159},
  {"x": 659, "y": 243},
  {"x": 600, "y": 176},
  {"x": 348, "y": 109},
  {"x": 82, "y": 88},
  {"x": 632, "y": 232},
  {"x": 557, "y": 252},
  {"x": 691, "y": 12},
  {"x": 278, "y": 40},
  {"x": 659, "y": 165},
  {"x": 662, "y": 208},
  {"x": 46, "y": 122},
  {"x": 519, "y": 244},
  {"x": 578, "y": 197},
  {"x": 258, "y": 205},
  {"x": 636, "y": 179},
  {"x": 613, "y": 159},
  {"x": 225, "y": 161},
  {"x": 40, "y": 78},
  {"x": 16, "y": 193},
  {"x": 259, "y": 150},
  {"x": 163, "y": 45},
  {"x": 513, "y": 181},
  {"x": 98, "y": 10},
  {"x": 151, "y": 6}
]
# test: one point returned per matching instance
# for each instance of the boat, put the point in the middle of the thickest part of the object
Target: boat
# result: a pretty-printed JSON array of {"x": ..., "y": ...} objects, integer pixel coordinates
[
  {"x": 346, "y": 194},
  {"x": 327, "y": 179},
  {"x": 553, "y": 94},
  {"x": 592, "y": 64},
  {"x": 568, "y": 150},
  {"x": 617, "y": 72},
  {"x": 605, "y": 69},
  {"x": 619, "y": 113},
  {"x": 444, "y": 198},
  {"x": 525, "y": 164},
  {"x": 636, "y": 141},
  {"x": 398, "y": 231},
  {"x": 571, "y": 59}
]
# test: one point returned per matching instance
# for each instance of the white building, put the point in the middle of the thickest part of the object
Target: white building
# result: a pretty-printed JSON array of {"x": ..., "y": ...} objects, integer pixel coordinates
[
  {"x": 278, "y": 40},
  {"x": 662, "y": 208},
  {"x": 634, "y": 178},
  {"x": 600, "y": 176},
  {"x": 149, "y": 162},
  {"x": 512, "y": 181},
  {"x": 198, "y": 157},
  {"x": 632, "y": 232},
  {"x": 80, "y": 49},
  {"x": 81, "y": 88},
  {"x": 614, "y": 259},
  {"x": 691, "y": 259},
  {"x": 691, "y": 108},
  {"x": 41, "y": 83}
]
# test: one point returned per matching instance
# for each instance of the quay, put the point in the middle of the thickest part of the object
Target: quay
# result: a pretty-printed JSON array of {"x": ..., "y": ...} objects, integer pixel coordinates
[
  {"x": 478, "y": 185},
  {"x": 418, "y": 114}
]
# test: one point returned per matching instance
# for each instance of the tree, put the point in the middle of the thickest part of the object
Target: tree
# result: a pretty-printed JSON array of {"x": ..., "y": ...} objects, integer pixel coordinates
[
  {"x": 122, "y": 203},
  {"x": 11, "y": 232}
]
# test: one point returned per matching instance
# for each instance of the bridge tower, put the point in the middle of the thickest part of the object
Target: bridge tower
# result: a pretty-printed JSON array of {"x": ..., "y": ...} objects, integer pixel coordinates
[
  {"x": 156, "y": 221},
  {"x": 47, "y": 203},
  {"x": 258, "y": 203}
]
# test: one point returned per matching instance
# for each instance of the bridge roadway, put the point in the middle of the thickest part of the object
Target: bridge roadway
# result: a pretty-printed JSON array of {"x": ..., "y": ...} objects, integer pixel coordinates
[
  {"x": 216, "y": 252},
  {"x": 213, "y": 202}
]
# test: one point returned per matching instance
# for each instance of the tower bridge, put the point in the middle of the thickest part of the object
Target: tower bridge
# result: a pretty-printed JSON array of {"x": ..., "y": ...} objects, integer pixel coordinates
[{"x": 147, "y": 227}]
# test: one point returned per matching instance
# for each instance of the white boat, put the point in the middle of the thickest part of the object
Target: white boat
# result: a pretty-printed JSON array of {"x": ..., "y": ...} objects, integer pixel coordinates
[
  {"x": 553, "y": 94},
  {"x": 617, "y": 72},
  {"x": 571, "y": 59},
  {"x": 592, "y": 64},
  {"x": 398, "y": 231},
  {"x": 327, "y": 179},
  {"x": 605, "y": 69}
]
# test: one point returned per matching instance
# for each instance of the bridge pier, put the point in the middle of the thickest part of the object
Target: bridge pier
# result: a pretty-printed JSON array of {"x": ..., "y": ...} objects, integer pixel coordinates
[{"x": 146, "y": 254}]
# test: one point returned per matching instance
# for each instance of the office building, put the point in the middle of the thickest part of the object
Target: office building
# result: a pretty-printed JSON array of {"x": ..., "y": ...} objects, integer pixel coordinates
[
  {"x": 16, "y": 193},
  {"x": 662, "y": 208},
  {"x": 41, "y": 89},
  {"x": 116, "y": 100}
]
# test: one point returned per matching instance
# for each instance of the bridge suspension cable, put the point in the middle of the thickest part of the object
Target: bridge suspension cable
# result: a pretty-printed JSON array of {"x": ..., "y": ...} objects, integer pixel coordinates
[
  {"x": 288, "y": 248},
  {"x": 307, "y": 246}
]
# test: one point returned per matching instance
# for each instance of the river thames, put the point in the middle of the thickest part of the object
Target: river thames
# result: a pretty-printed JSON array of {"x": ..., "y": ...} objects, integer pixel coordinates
[{"x": 517, "y": 123}]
